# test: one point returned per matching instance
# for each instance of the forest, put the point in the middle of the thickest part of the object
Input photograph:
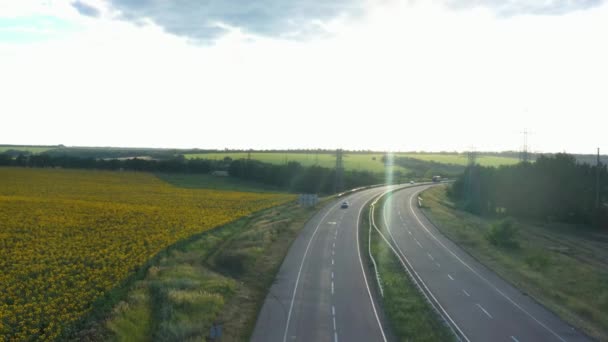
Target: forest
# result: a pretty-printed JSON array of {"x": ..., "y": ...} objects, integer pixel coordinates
[{"x": 553, "y": 188}]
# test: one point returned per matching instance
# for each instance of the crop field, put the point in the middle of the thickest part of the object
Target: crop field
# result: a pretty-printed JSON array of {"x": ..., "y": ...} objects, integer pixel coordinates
[
  {"x": 356, "y": 161},
  {"x": 32, "y": 149},
  {"x": 461, "y": 159},
  {"x": 363, "y": 162},
  {"x": 69, "y": 236}
]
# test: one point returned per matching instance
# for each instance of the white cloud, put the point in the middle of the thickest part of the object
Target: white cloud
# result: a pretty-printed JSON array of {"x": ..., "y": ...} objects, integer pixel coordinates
[{"x": 404, "y": 77}]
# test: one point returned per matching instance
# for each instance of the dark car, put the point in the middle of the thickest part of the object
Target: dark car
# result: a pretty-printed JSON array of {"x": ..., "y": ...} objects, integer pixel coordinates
[{"x": 344, "y": 205}]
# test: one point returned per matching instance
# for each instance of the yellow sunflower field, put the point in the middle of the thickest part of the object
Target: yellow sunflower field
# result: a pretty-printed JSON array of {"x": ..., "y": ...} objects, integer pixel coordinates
[{"x": 68, "y": 236}]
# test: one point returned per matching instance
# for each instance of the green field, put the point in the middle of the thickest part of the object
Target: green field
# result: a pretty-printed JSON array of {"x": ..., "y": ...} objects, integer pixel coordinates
[
  {"x": 461, "y": 159},
  {"x": 32, "y": 149},
  {"x": 360, "y": 161}
]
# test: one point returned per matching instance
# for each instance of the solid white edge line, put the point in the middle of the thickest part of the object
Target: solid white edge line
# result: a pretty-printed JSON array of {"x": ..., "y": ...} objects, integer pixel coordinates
[
  {"x": 369, "y": 250},
  {"x": 295, "y": 288},
  {"x": 369, "y": 292},
  {"x": 479, "y": 275},
  {"x": 402, "y": 257}
]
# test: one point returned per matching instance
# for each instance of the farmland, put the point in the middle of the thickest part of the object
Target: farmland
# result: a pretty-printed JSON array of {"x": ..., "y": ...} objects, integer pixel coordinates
[
  {"x": 461, "y": 159},
  {"x": 362, "y": 162},
  {"x": 30, "y": 149},
  {"x": 355, "y": 161},
  {"x": 69, "y": 236}
]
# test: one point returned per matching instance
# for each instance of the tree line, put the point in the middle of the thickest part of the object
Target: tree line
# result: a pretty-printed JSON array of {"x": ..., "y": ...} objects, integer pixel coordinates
[
  {"x": 297, "y": 178},
  {"x": 289, "y": 177},
  {"x": 427, "y": 168},
  {"x": 553, "y": 188}
]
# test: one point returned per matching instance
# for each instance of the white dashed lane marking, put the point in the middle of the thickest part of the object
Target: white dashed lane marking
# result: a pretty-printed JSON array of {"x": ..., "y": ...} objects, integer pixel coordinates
[{"x": 484, "y": 311}]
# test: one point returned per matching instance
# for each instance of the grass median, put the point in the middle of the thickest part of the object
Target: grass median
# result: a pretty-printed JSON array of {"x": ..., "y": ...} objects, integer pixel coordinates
[
  {"x": 410, "y": 316},
  {"x": 564, "y": 267}
]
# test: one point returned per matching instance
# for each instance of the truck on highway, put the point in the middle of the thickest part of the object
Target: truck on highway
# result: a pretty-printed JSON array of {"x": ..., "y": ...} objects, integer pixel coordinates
[{"x": 436, "y": 179}]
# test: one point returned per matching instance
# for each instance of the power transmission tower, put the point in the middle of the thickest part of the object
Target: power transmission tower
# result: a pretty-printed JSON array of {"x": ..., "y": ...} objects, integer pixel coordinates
[
  {"x": 339, "y": 171},
  {"x": 472, "y": 157},
  {"x": 523, "y": 155},
  {"x": 597, "y": 180}
]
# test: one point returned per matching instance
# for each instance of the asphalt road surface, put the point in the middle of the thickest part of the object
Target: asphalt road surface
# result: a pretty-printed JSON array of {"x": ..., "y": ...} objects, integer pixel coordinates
[
  {"x": 321, "y": 292},
  {"x": 478, "y": 304}
]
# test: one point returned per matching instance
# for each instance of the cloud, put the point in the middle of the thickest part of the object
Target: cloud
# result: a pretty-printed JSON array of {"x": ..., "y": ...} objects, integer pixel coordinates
[
  {"x": 86, "y": 9},
  {"x": 205, "y": 20},
  {"x": 519, "y": 7}
]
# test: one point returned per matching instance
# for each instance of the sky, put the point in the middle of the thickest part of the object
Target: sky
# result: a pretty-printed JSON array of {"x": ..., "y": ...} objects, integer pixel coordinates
[{"x": 434, "y": 75}]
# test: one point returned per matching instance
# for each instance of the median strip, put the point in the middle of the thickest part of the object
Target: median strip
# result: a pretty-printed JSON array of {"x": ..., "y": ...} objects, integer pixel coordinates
[{"x": 408, "y": 312}]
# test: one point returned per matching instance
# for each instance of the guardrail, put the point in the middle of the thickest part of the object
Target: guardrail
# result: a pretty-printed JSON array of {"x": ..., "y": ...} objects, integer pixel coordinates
[{"x": 412, "y": 274}]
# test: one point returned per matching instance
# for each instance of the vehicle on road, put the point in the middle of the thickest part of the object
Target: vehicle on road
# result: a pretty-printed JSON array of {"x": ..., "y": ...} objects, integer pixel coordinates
[
  {"x": 411, "y": 182},
  {"x": 344, "y": 205}
]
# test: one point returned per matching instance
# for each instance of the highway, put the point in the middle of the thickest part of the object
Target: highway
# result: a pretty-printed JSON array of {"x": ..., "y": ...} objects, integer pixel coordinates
[
  {"x": 479, "y": 305},
  {"x": 321, "y": 292},
  {"x": 324, "y": 292}
]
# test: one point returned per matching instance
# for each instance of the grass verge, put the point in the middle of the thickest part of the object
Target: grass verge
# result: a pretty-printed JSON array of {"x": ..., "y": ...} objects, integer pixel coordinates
[
  {"x": 410, "y": 316},
  {"x": 221, "y": 275},
  {"x": 564, "y": 268}
]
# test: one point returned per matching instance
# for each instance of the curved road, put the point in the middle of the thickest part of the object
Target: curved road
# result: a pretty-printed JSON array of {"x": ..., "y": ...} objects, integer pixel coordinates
[
  {"x": 321, "y": 292},
  {"x": 480, "y": 305}
]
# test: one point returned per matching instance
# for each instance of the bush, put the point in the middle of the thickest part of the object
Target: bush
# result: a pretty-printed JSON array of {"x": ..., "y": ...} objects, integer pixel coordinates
[
  {"x": 538, "y": 261},
  {"x": 503, "y": 234}
]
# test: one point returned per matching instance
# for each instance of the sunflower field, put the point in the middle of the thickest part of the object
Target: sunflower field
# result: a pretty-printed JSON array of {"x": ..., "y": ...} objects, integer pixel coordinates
[{"x": 69, "y": 236}]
